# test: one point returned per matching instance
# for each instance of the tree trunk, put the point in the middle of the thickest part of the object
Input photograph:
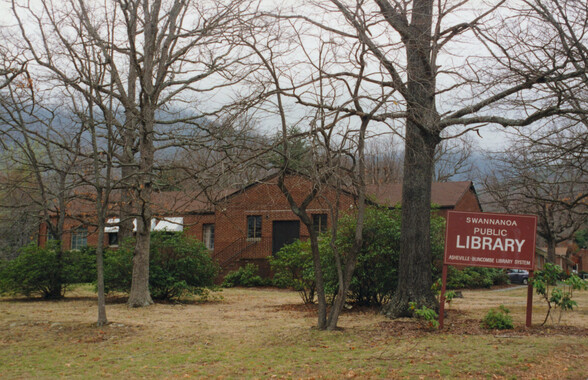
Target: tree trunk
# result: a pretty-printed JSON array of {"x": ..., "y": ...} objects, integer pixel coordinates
[
  {"x": 319, "y": 280},
  {"x": 344, "y": 283},
  {"x": 551, "y": 250},
  {"x": 414, "y": 272},
  {"x": 102, "y": 320},
  {"x": 422, "y": 136},
  {"x": 139, "y": 295},
  {"x": 128, "y": 155},
  {"x": 56, "y": 290},
  {"x": 345, "y": 274},
  {"x": 126, "y": 199}
]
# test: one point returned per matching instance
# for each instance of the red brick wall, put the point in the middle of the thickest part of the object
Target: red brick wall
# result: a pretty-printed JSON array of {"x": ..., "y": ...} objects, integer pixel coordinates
[
  {"x": 192, "y": 226},
  {"x": 69, "y": 226},
  {"x": 469, "y": 202},
  {"x": 583, "y": 260},
  {"x": 266, "y": 200}
]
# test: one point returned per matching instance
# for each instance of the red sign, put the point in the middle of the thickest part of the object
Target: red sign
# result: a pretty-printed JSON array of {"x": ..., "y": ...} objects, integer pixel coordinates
[{"x": 478, "y": 239}]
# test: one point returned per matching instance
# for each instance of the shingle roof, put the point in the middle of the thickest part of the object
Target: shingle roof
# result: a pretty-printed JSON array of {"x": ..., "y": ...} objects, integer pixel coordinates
[
  {"x": 164, "y": 203},
  {"x": 444, "y": 194}
]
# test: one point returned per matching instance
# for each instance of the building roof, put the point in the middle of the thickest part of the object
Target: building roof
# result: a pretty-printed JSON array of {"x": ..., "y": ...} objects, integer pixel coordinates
[
  {"x": 170, "y": 203},
  {"x": 164, "y": 203},
  {"x": 560, "y": 250},
  {"x": 444, "y": 194},
  {"x": 178, "y": 202}
]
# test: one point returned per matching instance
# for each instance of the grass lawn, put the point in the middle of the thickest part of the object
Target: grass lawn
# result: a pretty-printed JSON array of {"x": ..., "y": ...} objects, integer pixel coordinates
[{"x": 268, "y": 333}]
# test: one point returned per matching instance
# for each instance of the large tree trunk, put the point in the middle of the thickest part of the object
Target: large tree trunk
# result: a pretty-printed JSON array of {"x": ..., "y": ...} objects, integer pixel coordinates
[
  {"x": 414, "y": 272},
  {"x": 139, "y": 295},
  {"x": 422, "y": 136},
  {"x": 127, "y": 203},
  {"x": 129, "y": 169}
]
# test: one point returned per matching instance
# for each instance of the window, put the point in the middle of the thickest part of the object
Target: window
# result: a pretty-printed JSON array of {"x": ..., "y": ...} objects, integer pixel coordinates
[
  {"x": 50, "y": 236},
  {"x": 319, "y": 223},
  {"x": 254, "y": 227},
  {"x": 79, "y": 238},
  {"x": 113, "y": 238},
  {"x": 208, "y": 236}
]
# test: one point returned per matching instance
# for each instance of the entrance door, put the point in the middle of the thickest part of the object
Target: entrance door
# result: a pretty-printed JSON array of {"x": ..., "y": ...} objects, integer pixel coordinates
[{"x": 284, "y": 232}]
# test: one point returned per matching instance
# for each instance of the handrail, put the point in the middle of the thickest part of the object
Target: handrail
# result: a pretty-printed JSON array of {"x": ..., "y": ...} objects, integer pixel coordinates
[
  {"x": 229, "y": 248},
  {"x": 239, "y": 251}
]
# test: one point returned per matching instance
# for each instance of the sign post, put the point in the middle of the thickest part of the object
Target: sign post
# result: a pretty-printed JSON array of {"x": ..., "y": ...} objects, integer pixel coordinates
[{"x": 475, "y": 239}]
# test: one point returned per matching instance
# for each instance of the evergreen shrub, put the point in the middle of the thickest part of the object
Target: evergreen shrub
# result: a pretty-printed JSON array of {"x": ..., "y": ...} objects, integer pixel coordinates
[
  {"x": 498, "y": 319},
  {"x": 247, "y": 276},
  {"x": 41, "y": 271},
  {"x": 178, "y": 265}
]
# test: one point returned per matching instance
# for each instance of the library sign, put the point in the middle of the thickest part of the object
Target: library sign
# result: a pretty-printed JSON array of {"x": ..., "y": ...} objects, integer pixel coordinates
[
  {"x": 480, "y": 239},
  {"x": 477, "y": 239}
]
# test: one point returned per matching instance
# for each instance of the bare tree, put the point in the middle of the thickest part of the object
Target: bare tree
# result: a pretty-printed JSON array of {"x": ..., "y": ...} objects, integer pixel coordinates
[
  {"x": 545, "y": 172},
  {"x": 45, "y": 144},
  {"x": 158, "y": 57},
  {"x": 522, "y": 183},
  {"x": 428, "y": 86},
  {"x": 19, "y": 217},
  {"x": 562, "y": 142},
  {"x": 454, "y": 158},
  {"x": 317, "y": 139},
  {"x": 383, "y": 162},
  {"x": 12, "y": 69}
]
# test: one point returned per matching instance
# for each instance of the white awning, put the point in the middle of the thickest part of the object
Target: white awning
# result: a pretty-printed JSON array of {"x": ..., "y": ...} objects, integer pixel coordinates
[
  {"x": 173, "y": 224},
  {"x": 109, "y": 229},
  {"x": 153, "y": 223}
]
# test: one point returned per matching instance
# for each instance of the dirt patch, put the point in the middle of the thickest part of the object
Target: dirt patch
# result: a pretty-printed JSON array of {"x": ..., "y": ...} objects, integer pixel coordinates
[
  {"x": 312, "y": 308},
  {"x": 468, "y": 326},
  {"x": 66, "y": 332},
  {"x": 457, "y": 322}
]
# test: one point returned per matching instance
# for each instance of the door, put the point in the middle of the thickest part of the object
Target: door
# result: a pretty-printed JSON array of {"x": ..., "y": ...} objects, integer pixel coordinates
[{"x": 284, "y": 232}]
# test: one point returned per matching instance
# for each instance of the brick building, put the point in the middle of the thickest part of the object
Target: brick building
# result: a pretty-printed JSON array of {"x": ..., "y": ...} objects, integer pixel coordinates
[
  {"x": 580, "y": 259},
  {"x": 250, "y": 224}
]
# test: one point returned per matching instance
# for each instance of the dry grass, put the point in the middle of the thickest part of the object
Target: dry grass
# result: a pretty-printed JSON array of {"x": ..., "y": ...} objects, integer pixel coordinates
[{"x": 265, "y": 333}]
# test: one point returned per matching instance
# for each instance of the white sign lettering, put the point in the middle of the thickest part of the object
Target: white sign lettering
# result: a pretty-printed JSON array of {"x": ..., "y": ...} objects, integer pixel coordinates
[{"x": 488, "y": 243}]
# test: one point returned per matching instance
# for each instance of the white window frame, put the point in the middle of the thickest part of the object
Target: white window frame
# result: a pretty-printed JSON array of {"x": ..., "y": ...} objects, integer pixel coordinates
[{"x": 208, "y": 235}]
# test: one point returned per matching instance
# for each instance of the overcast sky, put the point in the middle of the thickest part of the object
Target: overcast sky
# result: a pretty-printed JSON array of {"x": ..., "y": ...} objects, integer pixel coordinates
[{"x": 488, "y": 137}]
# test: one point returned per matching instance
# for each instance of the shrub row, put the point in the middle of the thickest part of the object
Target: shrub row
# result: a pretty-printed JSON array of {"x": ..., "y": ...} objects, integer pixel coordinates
[
  {"x": 45, "y": 270},
  {"x": 178, "y": 265},
  {"x": 376, "y": 274}
]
